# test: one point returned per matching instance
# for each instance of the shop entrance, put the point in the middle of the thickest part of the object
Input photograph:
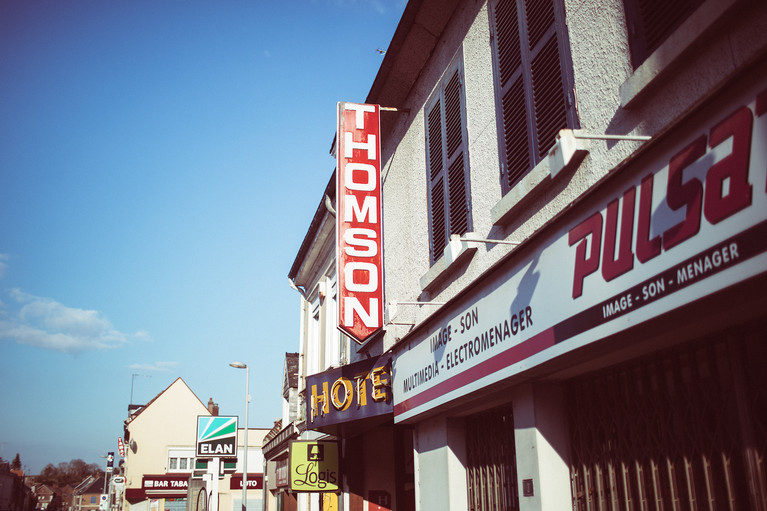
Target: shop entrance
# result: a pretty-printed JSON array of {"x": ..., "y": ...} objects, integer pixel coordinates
[
  {"x": 491, "y": 461},
  {"x": 682, "y": 430}
]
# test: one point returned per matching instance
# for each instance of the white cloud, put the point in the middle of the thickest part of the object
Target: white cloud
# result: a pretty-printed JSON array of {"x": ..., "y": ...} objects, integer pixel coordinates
[
  {"x": 157, "y": 367},
  {"x": 48, "y": 324}
]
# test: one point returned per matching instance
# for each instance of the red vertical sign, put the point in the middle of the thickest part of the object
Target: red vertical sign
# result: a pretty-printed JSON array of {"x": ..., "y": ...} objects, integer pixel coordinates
[{"x": 358, "y": 221}]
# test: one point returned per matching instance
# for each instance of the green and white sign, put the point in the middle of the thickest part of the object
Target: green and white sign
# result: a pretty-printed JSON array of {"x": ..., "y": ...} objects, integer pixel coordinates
[{"x": 216, "y": 437}]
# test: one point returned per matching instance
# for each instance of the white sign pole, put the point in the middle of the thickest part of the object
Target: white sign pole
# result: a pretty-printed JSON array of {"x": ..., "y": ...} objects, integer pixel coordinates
[{"x": 211, "y": 477}]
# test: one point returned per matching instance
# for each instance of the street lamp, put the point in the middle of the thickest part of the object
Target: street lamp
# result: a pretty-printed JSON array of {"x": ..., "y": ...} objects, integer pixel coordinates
[{"x": 242, "y": 365}]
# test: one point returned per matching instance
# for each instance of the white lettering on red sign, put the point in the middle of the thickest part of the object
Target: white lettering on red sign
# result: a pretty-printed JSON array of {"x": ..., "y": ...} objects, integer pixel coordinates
[{"x": 358, "y": 221}]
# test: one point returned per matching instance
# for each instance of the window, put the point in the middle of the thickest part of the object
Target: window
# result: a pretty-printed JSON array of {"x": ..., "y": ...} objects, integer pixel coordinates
[
  {"x": 93, "y": 499},
  {"x": 180, "y": 459},
  {"x": 650, "y": 22},
  {"x": 447, "y": 161},
  {"x": 533, "y": 82}
]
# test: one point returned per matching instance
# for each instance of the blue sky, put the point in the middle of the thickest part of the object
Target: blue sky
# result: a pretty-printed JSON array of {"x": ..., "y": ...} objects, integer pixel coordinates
[{"x": 160, "y": 162}]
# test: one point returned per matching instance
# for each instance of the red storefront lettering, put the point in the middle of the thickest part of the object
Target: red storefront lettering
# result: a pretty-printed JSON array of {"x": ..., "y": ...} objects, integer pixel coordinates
[{"x": 725, "y": 191}]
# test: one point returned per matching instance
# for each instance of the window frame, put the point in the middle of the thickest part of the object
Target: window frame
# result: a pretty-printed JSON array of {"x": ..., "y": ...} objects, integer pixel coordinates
[
  {"x": 538, "y": 143},
  {"x": 451, "y": 196}
]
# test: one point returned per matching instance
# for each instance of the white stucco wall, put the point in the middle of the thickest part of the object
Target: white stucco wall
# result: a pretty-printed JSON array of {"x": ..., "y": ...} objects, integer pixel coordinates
[
  {"x": 601, "y": 66},
  {"x": 719, "y": 44}
]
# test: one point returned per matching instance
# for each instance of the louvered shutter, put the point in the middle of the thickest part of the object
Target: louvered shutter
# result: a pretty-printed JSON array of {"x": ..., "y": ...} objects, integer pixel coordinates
[
  {"x": 533, "y": 74},
  {"x": 650, "y": 22},
  {"x": 447, "y": 159}
]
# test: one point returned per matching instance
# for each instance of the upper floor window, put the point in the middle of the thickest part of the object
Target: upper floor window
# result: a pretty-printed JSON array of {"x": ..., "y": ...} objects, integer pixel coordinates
[
  {"x": 181, "y": 459},
  {"x": 447, "y": 161},
  {"x": 533, "y": 82},
  {"x": 650, "y": 22}
]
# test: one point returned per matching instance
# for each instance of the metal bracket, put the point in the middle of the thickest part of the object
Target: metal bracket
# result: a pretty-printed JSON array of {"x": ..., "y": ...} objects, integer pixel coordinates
[{"x": 497, "y": 242}]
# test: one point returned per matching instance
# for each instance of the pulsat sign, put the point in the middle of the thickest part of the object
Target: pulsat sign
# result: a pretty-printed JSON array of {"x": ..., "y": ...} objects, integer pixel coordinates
[{"x": 216, "y": 437}]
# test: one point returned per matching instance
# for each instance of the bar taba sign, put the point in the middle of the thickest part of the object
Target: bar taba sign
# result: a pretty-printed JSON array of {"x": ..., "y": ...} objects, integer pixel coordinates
[{"x": 358, "y": 221}]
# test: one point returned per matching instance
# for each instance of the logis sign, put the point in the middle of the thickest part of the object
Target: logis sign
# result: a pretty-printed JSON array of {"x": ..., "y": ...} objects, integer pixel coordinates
[
  {"x": 358, "y": 221},
  {"x": 314, "y": 466},
  {"x": 216, "y": 437}
]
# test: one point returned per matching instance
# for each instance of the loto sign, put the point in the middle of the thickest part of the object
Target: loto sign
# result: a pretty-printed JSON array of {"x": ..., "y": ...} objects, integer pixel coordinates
[{"x": 358, "y": 221}]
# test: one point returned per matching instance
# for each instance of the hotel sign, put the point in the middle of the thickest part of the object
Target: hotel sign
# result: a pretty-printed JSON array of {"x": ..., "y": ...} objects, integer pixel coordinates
[
  {"x": 680, "y": 223},
  {"x": 358, "y": 221},
  {"x": 350, "y": 392}
]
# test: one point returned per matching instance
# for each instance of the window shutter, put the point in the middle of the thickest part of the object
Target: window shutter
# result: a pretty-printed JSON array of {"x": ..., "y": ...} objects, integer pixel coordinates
[
  {"x": 449, "y": 211},
  {"x": 533, "y": 76},
  {"x": 458, "y": 204},
  {"x": 548, "y": 96},
  {"x": 436, "y": 180},
  {"x": 650, "y": 22}
]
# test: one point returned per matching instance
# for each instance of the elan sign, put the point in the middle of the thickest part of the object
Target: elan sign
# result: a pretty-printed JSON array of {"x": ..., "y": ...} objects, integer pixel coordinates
[
  {"x": 358, "y": 221},
  {"x": 216, "y": 437}
]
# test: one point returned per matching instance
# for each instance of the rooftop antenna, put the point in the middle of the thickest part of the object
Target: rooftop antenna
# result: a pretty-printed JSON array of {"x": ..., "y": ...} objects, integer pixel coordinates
[{"x": 132, "y": 379}]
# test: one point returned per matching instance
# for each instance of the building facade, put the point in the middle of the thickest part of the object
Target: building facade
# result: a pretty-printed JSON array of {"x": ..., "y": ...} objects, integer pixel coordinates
[
  {"x": 160, "y": 466},
  {"x": 574, "y": 202},
  {"x": 87, "y": 495}
]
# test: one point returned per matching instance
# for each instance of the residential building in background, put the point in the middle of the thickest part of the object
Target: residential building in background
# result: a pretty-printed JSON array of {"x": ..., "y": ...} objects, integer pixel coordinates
[
  {"x": 15, "y": 495},
  {"x": 276, "y": 444},
  {"x": 87, "y": 494},
  {"x": 574, "y": 211},
  {"x": 160, "y": 468}
]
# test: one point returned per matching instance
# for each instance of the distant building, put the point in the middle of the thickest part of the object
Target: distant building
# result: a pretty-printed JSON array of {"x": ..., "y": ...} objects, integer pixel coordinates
[
  {"x": 159, "y": 463},
  {"x": 88, "y": 493},
  {"x": 46, "y": 497},
  {"x": 15, "y": 495},
  {"x": 276, "y": 443}
]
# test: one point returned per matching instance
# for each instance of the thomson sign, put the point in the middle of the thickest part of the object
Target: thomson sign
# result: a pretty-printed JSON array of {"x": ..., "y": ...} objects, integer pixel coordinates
[
  {"x": 358, "y": 221},
  {"x": 216, "y": 437}
]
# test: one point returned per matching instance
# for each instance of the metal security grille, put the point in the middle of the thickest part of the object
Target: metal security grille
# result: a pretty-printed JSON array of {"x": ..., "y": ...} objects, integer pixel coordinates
[
  {"x": 685, "y": 431},
  {"x": 491, "y": 471}
]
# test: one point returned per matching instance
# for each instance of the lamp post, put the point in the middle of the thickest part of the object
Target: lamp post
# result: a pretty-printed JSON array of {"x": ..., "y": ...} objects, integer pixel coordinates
[{"x": 242, "y": 365}]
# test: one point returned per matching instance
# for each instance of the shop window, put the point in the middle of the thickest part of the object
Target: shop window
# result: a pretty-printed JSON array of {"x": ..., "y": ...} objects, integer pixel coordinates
[
  {"x": 447, "y": 162},
  {"x": 533, "y": 82},
  {"x": 491, "y": 461},
  {"x": 650, "y": 22}
]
